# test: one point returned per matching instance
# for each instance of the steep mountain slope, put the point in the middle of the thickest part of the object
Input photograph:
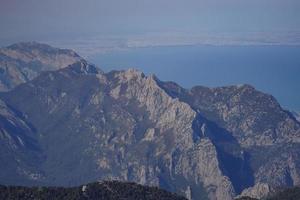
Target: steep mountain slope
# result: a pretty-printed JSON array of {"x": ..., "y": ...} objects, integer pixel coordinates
[
  {"x": 24, "y": 61},
  {"x": 297, "y": 115},
  {"x": 18, "y": 148},
  {"x": 108, "y": 190},
  {"x": 267, "y": 135},
  {"x": 253, "y": 118},
  {"x": 282, "y": 194},
  {"x": 78, "y": 124}
]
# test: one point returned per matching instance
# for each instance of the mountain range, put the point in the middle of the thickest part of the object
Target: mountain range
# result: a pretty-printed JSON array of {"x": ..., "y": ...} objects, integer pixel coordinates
[{"x": 64, "y": 122}]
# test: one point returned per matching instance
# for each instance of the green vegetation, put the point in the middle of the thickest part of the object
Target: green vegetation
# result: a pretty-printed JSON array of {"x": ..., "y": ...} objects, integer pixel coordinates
[
  {"x": 246, "y": 198},
  {"x": 108, "y": 190}
]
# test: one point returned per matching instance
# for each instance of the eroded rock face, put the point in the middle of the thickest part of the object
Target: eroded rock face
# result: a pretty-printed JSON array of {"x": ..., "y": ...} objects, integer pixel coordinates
[
  {"x": 18, "y": 148},
  {"x": 266, "y": 135},
  {"x": 259, "y": 191},
  {"x": 78, "y": 124},
  {"x": 254, "y": 118},
  {"x": 187, "y": 156}
]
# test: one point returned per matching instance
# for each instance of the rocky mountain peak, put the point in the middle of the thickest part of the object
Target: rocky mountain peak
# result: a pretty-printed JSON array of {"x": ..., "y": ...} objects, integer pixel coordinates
[
  {"x": 245, "y": 86},
  {"x": 33, "y": 51},
  {"x": 131, "y": 74},
  {"x": 22, "y": 62},
  {"x": 83, "y": 67},
  {"x": 36, "y": 48},
  {"x": 245, "y": 112},
  {"x": 31, "y": 45}
]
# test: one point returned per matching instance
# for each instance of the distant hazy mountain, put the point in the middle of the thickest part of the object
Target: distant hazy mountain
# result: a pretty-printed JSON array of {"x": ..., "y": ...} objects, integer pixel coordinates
[
  {"x": 107, "y": 190},
  {"x": 24, "y": 61},
  {"x": 78, "y": 124}
]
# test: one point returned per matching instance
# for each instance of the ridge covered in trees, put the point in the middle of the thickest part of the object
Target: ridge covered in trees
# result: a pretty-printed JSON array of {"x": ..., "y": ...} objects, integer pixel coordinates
[{"x": 107, "y": 190}]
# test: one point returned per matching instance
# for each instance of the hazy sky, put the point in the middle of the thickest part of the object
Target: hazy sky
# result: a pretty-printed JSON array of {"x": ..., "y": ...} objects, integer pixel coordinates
[{"x": 34, "y": 19}]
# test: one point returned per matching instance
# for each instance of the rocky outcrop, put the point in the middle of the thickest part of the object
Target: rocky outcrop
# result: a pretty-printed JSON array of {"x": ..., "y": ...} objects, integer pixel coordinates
[
  {"x": 259, "y": 191},
  {"x": 169, "y": 114},
  {"x": 257, "y": 123},
  {"x": 17, "y": 148},
  {"x": 254, "y": 118}
]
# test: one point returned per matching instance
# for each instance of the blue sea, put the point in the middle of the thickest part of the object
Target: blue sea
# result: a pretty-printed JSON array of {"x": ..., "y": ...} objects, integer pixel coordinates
[{"x": 271, "y": 69}]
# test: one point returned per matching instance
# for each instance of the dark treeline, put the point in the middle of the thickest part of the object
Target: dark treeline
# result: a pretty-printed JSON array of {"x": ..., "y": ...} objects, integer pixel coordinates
[{"x": 108, "y": 190}]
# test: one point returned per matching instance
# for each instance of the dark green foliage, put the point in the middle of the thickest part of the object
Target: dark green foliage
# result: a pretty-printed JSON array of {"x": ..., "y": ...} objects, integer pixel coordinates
[
  {"x": 246, "y": 198},
  {"x": 105, "y": 190}
]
